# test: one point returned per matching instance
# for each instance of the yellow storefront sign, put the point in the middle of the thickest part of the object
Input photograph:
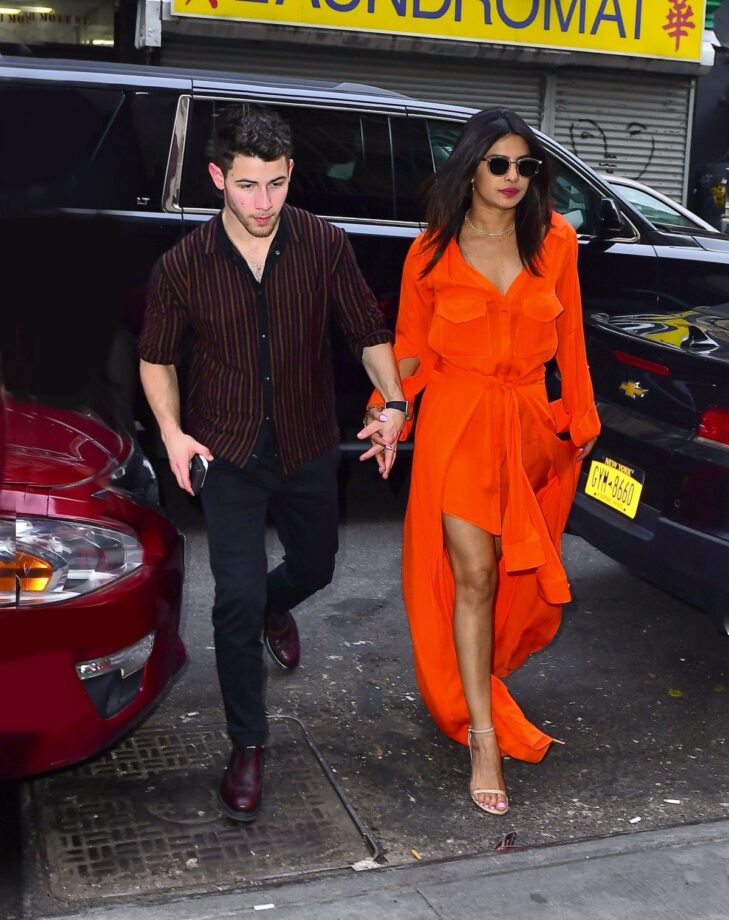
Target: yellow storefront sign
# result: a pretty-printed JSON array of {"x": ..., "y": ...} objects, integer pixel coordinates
[{"x": 644, "y": 28}]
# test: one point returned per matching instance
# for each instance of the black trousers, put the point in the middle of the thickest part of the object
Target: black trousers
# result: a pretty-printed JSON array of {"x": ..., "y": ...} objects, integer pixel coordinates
[{"x": 303, "y": 508}]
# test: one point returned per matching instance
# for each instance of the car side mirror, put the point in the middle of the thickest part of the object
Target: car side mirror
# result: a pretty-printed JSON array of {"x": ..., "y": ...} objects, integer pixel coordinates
[{"x": 611, "y": 220}]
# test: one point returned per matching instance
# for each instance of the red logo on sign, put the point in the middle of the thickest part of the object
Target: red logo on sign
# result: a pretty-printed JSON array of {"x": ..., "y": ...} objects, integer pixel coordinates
[{"x": 679, "y": 20}]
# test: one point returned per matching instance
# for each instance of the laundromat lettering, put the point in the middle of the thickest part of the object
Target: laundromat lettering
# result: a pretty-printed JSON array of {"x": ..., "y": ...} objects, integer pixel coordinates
[
  {"x": 561, "y": 13},
  {"x": 649, "y": 28}
]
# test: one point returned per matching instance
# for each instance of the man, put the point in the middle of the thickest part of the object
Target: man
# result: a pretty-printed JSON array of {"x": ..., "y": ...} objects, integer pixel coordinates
[{"x": 252, "y": 293}]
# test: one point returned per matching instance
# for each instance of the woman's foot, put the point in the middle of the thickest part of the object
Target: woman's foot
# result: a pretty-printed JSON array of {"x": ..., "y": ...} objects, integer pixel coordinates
[{"x": 487, "y": 775}]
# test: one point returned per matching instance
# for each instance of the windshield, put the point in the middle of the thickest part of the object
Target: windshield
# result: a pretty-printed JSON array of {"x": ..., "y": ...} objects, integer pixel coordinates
[{"x": 657, "y": 211}]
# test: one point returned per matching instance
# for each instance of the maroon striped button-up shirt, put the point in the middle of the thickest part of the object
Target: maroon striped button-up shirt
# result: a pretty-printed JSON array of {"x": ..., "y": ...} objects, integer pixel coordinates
[{"x": 260, "y": 354}]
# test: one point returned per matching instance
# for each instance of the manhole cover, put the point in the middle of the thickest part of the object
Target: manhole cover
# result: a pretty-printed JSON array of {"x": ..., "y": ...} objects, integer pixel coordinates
[{"x": 144, "y": 819}]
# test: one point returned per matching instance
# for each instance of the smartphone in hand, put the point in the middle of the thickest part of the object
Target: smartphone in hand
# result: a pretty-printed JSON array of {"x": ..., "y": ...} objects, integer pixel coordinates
[{"x": 198, "y": 472}]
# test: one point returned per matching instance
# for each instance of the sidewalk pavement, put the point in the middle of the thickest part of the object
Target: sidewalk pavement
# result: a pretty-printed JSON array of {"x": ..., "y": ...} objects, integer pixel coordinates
[{"x": 671, "y": 874}]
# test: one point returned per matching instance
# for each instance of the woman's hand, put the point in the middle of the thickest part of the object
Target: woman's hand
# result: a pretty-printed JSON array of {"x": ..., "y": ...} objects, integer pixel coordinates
[
  {"x": 383, "y": 431},
  {"x": 585, "y": 449}
]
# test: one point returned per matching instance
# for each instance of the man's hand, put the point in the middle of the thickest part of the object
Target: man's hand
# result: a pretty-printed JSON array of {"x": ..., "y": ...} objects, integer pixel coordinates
[
  {"x": 383, "y": 432},
  {"x": 163, "y": 395},
  {"x": 181, "y": 448}
]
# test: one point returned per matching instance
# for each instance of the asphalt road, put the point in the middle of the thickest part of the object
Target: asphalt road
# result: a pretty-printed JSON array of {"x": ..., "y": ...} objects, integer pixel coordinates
[{"x": 636, "y": 683}]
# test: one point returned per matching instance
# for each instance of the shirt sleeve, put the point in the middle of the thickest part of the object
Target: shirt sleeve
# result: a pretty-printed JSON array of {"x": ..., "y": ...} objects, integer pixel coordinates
[
  {"x": 165, "y": 321},
  {"x": 355, "y": 306},
  {"x": 578, "y": 400},
  {"x": 414, "y": 318}
]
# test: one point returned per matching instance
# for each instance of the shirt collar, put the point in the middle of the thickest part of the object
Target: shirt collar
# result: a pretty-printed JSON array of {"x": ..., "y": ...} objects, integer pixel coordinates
[{"x": 217, "y": 240}]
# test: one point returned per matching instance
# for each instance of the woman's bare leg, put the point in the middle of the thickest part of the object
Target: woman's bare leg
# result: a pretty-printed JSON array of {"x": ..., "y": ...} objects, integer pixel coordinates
[{"x": 474, "y": 556}]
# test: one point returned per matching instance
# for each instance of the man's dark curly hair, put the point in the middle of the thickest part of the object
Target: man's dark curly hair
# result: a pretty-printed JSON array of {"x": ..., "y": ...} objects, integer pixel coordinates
[{"x": 251, "y": 131}]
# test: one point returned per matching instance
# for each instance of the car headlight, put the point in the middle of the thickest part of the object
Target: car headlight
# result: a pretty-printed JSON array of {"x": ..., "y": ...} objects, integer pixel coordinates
[
  {"x": 56, "y": 560},
  {"x": 8, "y": 582}
]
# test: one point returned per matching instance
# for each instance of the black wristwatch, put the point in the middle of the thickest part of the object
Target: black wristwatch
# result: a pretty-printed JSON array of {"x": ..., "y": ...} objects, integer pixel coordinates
[{"x": 402, "y": 404}]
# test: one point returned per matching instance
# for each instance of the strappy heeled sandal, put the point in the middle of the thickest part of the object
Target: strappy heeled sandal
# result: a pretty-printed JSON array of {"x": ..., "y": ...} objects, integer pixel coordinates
[{"x": 490, "y": 809}]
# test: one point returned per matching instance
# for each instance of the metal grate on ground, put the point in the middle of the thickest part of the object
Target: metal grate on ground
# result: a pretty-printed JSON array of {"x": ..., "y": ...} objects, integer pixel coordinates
[{"x": 143, "y": 818}]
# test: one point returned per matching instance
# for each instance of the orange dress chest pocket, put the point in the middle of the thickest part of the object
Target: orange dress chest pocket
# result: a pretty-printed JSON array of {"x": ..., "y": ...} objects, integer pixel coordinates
[
  {"x": 536, "y": 328},
  {"x": 460, "y": 324}
]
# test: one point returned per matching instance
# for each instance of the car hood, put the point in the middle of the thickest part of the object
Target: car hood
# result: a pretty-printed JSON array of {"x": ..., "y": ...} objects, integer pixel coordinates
[
  {"x": 50, "y": 448},
  {"x": 703, "y": 331}
]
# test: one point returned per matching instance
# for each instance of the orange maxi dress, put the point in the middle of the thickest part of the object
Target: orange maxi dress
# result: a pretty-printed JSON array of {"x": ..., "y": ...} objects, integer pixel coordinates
[{"x": 487, "y": 451}]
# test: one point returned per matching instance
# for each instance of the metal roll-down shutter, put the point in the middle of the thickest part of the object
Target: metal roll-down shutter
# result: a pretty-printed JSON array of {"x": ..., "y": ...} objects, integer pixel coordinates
[
  {"x": 440, "y": 79},
  {"x": 631, "y": 124}
]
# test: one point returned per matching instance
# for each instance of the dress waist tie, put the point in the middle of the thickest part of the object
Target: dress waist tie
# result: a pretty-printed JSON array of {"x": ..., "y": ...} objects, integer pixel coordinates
[{"x": 526, "y": 541}]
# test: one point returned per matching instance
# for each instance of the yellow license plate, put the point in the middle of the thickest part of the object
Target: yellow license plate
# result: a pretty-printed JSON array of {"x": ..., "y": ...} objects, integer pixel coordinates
[{"x": 615, "y": 484}]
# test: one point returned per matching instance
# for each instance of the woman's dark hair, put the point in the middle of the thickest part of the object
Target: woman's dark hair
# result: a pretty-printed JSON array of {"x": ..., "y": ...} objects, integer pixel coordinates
[
  {"x": 449, "y": 193},
  {"x": 250, "y": 131}
]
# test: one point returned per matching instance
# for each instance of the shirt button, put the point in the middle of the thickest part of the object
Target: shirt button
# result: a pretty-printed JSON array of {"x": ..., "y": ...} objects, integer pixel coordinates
[
  {"x": 268, "y": 379},
  {"x": 277, "y": 252},
  {"x": 268, "y": 418},
  {"x": 263, "y": 335}
]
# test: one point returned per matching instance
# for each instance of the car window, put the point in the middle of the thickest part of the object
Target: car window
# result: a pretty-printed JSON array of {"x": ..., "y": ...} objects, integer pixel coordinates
[
  {"x": 152, "y": 117},
  {"x": 657, "y": 211},
  {"x": 575, "y": 199},
  {"x": 413, "y": 165},
  {"x": 443, "y": 137},
  {"x": 431, "y": 142},
  {"x": 76, "y": 122},
  {"x": 342, "y": 161},
  {"x": 108, "y": 149}
]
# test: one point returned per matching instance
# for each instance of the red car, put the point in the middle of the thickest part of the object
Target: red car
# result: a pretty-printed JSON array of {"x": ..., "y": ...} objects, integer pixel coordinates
[{"x": 91, "y": 578}]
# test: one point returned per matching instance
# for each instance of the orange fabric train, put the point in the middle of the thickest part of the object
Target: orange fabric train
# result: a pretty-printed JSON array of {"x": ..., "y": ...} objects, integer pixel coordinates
[{"x": 487, "y": 450}]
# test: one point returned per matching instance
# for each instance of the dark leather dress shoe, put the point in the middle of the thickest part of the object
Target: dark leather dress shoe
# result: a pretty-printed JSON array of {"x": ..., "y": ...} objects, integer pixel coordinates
[
  {"x": 282, "y": 640},
  {"x": 240, "y": 792}
]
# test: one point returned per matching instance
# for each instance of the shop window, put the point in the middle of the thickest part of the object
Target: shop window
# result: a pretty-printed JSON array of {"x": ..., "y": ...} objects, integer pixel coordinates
[
  {"x": 343, "y": 161},
  {"x": 64, "y": 28}
]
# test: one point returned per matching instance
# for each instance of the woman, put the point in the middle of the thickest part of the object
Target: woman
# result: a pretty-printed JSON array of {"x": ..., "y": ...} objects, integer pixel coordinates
[{"x": 489, "y": 294}]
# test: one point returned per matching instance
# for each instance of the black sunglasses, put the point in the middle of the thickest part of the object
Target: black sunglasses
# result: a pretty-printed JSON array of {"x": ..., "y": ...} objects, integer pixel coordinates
[{"x": 498, "y": 165}]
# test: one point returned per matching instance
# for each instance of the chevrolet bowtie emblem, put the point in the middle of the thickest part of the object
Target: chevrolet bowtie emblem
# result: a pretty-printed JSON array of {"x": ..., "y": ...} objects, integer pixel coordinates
[{"x": 632, "y": 389}]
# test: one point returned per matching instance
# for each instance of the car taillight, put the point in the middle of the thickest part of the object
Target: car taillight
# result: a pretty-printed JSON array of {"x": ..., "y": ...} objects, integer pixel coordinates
[
  {"x": 48, "y": 560},
  {"x": 714, "y": 425},
  {"x": 643, "y": 363}
]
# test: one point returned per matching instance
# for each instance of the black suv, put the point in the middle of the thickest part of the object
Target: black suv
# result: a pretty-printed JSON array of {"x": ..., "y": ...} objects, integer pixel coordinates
[{"x": 119, "y": 153}]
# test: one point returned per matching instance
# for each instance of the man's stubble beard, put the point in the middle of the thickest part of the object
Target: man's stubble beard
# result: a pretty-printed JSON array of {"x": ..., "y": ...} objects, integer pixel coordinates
[{"x": 248, "y": 224}]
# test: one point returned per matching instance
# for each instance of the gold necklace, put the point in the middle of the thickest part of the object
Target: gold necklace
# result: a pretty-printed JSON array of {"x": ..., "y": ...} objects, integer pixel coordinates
[{"x": 493, "y": 236}]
